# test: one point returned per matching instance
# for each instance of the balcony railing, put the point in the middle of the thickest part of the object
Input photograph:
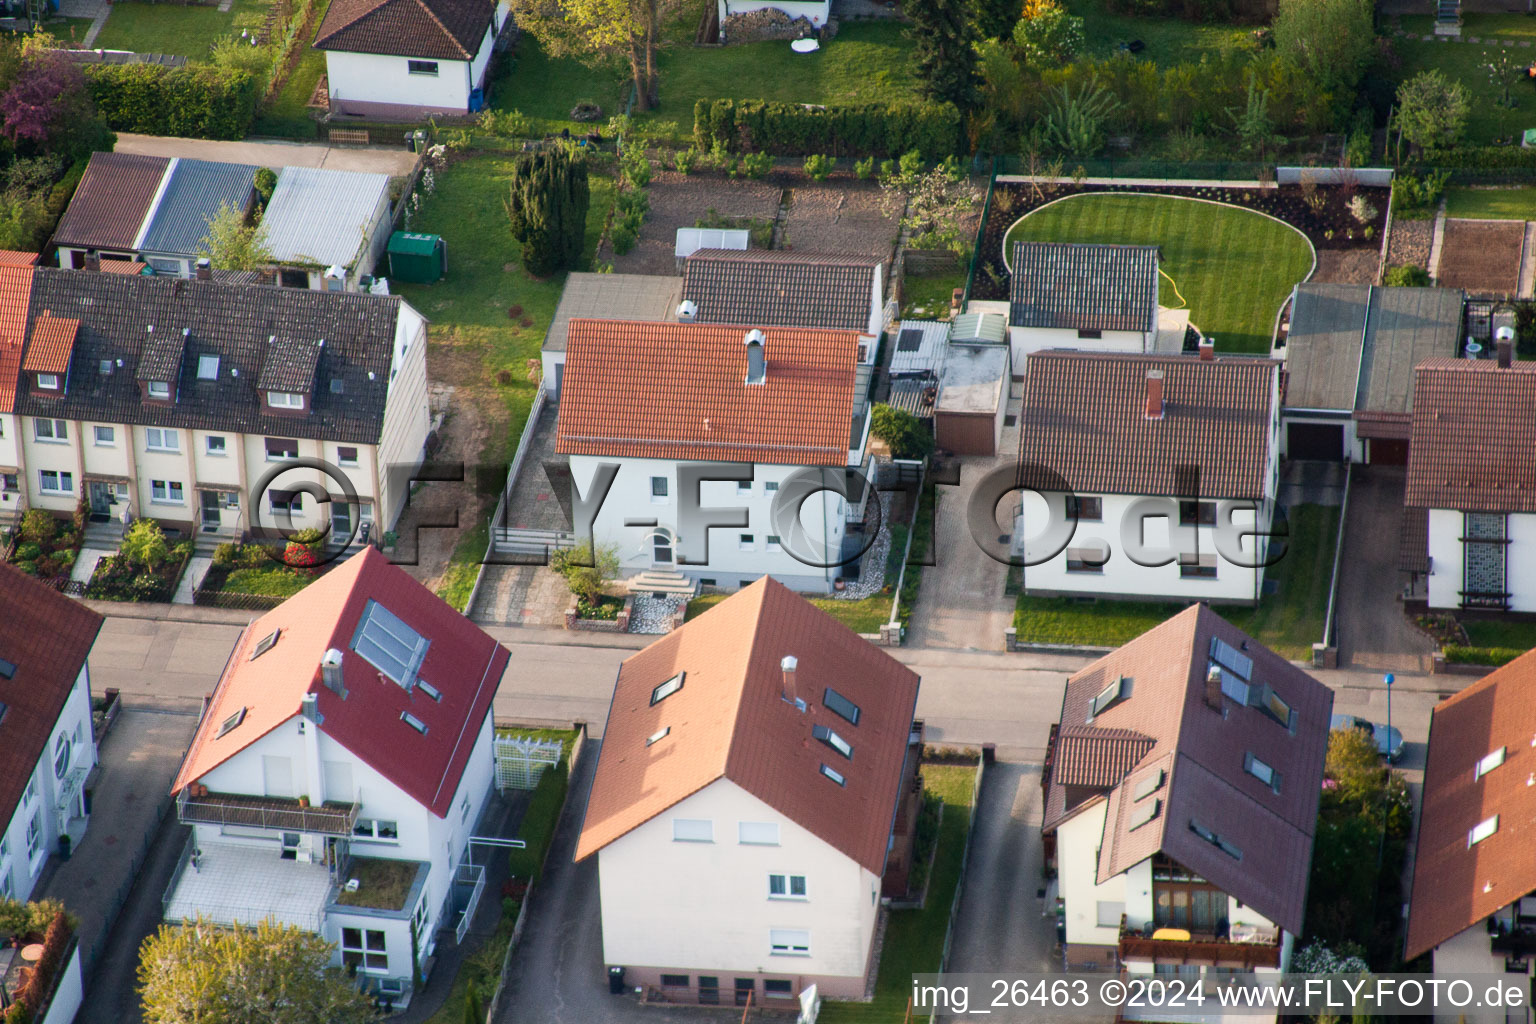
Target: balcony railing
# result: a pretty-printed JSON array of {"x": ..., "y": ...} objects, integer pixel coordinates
[
  {"x": 330, "y": 818},
  {"x": 1262, "y": 949}
]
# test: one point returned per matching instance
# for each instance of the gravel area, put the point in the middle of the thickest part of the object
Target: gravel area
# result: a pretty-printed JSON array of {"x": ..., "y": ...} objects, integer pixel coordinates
[
  {"x": 679, "y": 201},
  {"x": 1410, "y": 242},
  {"x": 872, "y": 576},
  {"x": 841, "y": 216},
  {"x": 652, "y": 614},
  {"x": 1346, "y": 266}
]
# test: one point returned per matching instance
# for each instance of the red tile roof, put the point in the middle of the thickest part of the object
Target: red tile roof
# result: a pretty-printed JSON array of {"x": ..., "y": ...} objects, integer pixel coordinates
[
  {"x": 1201, "y": 753},
  {"x": 47, "y": 636},
  {"x": 113, "y": 199},
  {"x": 730, "y": 721},
  {"x": 15, "y": 294},
  {"x": 1456, "y": 884},
  {"x": 12, "y": 258},
  {"x": 440, "y": 29},
  {"x": 1097, "y": 757},
  {"x": 462, "y": 663},
  {"x": 679, "y": 391},
  {"x": 1474, "y": 437},
  {"x": 53, "y": 342}
]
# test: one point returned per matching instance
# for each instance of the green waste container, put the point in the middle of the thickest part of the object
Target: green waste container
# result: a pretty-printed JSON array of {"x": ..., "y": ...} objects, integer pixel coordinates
[{"x": 421, "y": 259}]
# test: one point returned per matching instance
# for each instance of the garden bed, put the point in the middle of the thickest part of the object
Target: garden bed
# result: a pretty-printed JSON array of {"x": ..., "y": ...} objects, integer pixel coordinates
[
  {"x": 248, "y": 576},
  {"x": 118, "y": 579},
  {"x": 610, "y": 615},
  {"x": 46, "y": 547}
]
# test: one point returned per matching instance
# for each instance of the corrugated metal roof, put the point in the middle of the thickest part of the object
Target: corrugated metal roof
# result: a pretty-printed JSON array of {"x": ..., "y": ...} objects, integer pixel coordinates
[
  {"x": 988, "y": 328},
  {"x": 196, "y": 191},
  {"x": 322, "y": 217},
  {"x": 919, "y": 346}
]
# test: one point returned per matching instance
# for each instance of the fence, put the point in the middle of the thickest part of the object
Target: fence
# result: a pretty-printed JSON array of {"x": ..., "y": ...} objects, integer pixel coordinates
[
  {"x": 906, "y": 553},
  {"x": 1329, "y": 626},
  {"x": 522, "y": 760},
  {"x": 1140, "y": 167},
  {"x": 981, "y": 231},
  {"x": 965, "y": 860},
  {"x": 89, "y": 958}
]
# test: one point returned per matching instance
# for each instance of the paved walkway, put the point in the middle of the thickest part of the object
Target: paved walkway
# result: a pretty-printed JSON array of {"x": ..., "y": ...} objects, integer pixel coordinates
[
  {"x": 1373, "y": 632},
  {"x": 85, "y": 564},
  {"x": 392, "y": 160},
  {"x": 196, "y": 569}
]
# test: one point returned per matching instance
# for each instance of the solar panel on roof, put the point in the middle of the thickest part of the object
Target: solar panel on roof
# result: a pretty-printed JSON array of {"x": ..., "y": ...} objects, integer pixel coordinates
[
  {"x": 910, "y": 340},
  {"x": 1230, "y": 657},
  {"x": 1144, "y": 813}
]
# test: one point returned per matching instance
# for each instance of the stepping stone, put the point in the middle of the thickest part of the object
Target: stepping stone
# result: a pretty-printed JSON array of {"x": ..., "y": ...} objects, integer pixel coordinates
[
  {"x": 1509, "y": 42},
  {"x": 1525, "y": 42}
]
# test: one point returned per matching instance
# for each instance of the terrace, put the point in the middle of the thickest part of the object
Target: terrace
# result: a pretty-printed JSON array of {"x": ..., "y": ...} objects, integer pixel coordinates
[
  {"x": 276, "y": 813},
  {"x": 1243, "y": 947},
  {"x": 231, "y": 884}
]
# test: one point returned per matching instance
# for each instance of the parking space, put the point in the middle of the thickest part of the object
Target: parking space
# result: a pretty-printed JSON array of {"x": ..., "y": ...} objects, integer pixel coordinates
[{"x": 1373, "y": 632}]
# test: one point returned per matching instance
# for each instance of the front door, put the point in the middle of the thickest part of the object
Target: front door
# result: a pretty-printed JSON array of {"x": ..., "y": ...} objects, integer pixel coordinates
[
  {"x": 210, "y": 511},
  {"x": 661, "y": 548},
  {"x": 101, "y": 500},
  {"x": 341, "y": 521}
]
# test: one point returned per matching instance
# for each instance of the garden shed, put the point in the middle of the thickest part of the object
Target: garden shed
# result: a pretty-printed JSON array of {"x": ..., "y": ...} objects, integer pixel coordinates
[
  {"x": 973, "y": 395},
  {"x": 418, "y": 258}
]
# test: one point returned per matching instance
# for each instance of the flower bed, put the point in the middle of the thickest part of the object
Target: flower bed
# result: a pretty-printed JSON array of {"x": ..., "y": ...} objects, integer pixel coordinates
[
  {"x": 250, "y": 576},
  {"x": 609, "y": 615},
  {"x": 119, "y": 578},
  {"x": 32, "y": 986},
  {"x": 45, "y": 546}
]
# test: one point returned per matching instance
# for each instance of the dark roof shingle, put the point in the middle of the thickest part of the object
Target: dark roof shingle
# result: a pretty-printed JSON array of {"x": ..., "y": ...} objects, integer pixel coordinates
[
  {"x": 1084, "y": 287},
  {"x": 1474, "y": 437},
  {"x": 434, "y": 29},
  {"x": 781, "y": 287},
  {"x": 160, "y": 355},
  {"x": 290, "y": 364}
]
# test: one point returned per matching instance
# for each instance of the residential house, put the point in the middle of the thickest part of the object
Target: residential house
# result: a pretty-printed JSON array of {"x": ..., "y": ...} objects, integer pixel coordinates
[
  {"x": 326, "y": 229},
  {"x": 1181, "y": 795},
  {"x": 1471, "y": 492},
  {"x": 1349, "y": 357},
  {"x": 47, "y": 744},
  {"x": 340, "y": 770},
  {"x": 653, "y": 401},
  {"x": 172, "y": 399},
  {"x": 15, "y": 293},
  {"x": 758, "y": 779},
  {"x": 651, "y": 297},
  {"x": 1093, "y": 298},
  {"x": 1473, "y": 903},
  {"x": 409, "y": 59},
  {"x": 1178, "y": 452}
]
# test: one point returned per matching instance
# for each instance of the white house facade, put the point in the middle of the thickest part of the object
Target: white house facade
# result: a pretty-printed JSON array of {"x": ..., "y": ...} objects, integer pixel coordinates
[{"x": 1089, "y": 298}]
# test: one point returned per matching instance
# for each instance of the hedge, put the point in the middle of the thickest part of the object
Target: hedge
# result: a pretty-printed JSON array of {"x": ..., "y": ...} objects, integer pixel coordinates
[
  {"x": 1494, "y": 656},
  {"x": 793, "y": 129},
  {"x": 193, "y": 101}
]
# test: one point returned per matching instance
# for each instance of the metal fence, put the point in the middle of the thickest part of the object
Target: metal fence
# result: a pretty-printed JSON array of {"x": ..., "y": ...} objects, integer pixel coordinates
[
  {"x": 522, "y": 760},
  {"x": 1141, "y": 167},
  {"x": 965, "y": 860}
]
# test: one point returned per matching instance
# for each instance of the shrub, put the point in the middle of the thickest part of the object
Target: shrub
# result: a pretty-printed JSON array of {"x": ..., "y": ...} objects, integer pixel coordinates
[
  {"x": 757, "y": 165},
  {"x": 819, "y": 166},
  {"x": 906, "y": 435},
  {"x": 265, "y": 182},
  {"x": 1457, "y": 654},
  {"x": 38, "y": 526},
  {"x": 791, "y": 129},
  {"x": 308, "y": 537},
  {"x": 1415, "y": 196},
  {"x": 1361, "y": 209},
  {"x": 547, "y": 209},
  {"x": 1432, "y": 110},
  {"x": 585, "y": 570},
  {"x": 225, "y": 554},
  {"x": 685, "y": 160},
  {"x": 863, "y": 169},
  {"x": 1406, "y": 275},
  {"x": 144, "y": 544},
  {"x": 29, "y": 552},
  {"x": 506, "y": 123},
  {"x": 195, "y": 101}
]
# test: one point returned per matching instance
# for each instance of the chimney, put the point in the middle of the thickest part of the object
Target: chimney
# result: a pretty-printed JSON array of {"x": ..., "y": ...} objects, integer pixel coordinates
[
  {"x": 1154, "y": 394},
  {"x": 204, "y": 269},
  {"x": 1207, "y": 349},
  {"x": 1504, "y": 340},
  {"x": 788, "y": 691},
  {"x": 687, "y": 312},
  {"x": 330, "y": 673},
  {"x": 309, "y": 707},
  {"x": 756, "y": 364},
  {"x": 1213, "y": 687},
  {"x": 93, "y": 260}
]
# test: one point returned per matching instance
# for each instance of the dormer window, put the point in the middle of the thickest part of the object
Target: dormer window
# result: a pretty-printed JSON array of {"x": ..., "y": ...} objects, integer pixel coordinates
[
  {"x": 159, "y": 389},
  {"x": 285, "y": 400},
  {"x": 48, "y": 381}
]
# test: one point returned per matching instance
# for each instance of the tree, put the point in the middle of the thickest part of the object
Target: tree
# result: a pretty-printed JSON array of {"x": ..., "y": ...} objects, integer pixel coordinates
[
  {"x": 547, "y": 209},
  {"x": 1252, "y": 124},
  {"x": 1074, "y": 121},
  {"x": 202, "y": 973},
  {"x": 602, "y": 33},
  {"x": 1049, "y": 37},
  {"x": 933, "y": 205},
  {"x": 144, "y": 544},
  {"x": 586, "y": 573},
  {"x": 47, "y": 108},
  {"x": 233, "y": 244},
  {"x": 1331, "y": 41},
  {"x": 995, "y": 18},
  {"x": 945, "y": 37},
  {"x": 1431, "y": 110},
  {"x": 908, "y": 438}
]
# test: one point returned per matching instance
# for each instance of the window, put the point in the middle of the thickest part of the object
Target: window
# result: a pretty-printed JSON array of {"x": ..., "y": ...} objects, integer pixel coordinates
[
  {"x": 285, "y": 399},
  {"x": 464, "y": 809},
  {"x": 282, "y": 448},
  {"x": 772, "y": 543},
  {"x": 671, "y": 980},
  {"x": 658, "y": 489},
  {"x": 770, "y": 486},
  {"x": 1108, "y": 697},
  {"x": 693, "y": 830},
  {"x": 1204, "y": 569},
  {"x": 789, "y": 942},
  {"x": 62, "y": 748},
  {"x": 158, "y": 440},
  {"x": 1489, "y": 763},
  {"x": 207, "y": 367},
  {"x": 9, "y": 482},
  {"x": 389, "y": 645},
  {"x": 346, "y": 456},
  {"x": 159, "y": 389},
  {"x": 1275, "y": 707},
  {"x": 1197, "y": 513},
  {"x": 106, "y": 437},
  {"x": 51, "y": 431},
  {"x": 48, "y": 381},
  {"x": 1089, "y": 334},
  {"x": 1482, "y": 830},
  {"x": 422, "y": 67},
  {"x": 743, "y": 488},
  {"x": 266, "y": 644},
  {"x": 35, "y": 835},
  {"x": 364, "y": 949},
  {"x": 1085, "y": 510},
  {"x": 165, "y": 492},
  {"x": 833, "y": 740},
  {"x": 414, "y": 722},
  {"x": 834, "y": 775},
  {"x": 5, "y": 850},
  {"x": 779, "y": 988},
  {"x": 289, "y": 502},
  {"x": 1261, "y": 771},
  {"x": 667, "y": 688},
  {"x": 1149, "y": 785},
  {"x": 377, "y": 830},
  {"x": 786, "y": 887},
  {"x": 747, "y": 541},
  {"x": 1110, "y": 913},
  {"x": 709, "y": 989},
  {"x": 30, "y": 793},
  {"x": 217, "y": 445},
  {"x": 841, "y": 706},
  {"x": 1215, "y": 840},
  {"x": 1145, "y": 812},
  {"x": 230, "y": 723},
  {"x": 1087, "y": 560},
  {"x": 658, "y": 735},
  {"x": 53, "y": 482},
  {"x": 758, "y": 833},
  {"x": 430, "y": 690}
]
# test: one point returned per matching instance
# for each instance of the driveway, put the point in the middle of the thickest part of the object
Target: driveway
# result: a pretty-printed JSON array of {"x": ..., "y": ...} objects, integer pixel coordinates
[
  {"x": 1373, "y": 632},
  {"x": 395, "y": 161}
]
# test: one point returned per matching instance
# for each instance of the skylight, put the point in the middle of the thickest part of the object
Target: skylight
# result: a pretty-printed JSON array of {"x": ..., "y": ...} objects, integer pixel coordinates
[
  {"x": 1261, "y": 771},
  {"x": 1215, "y": 840},
  {"x": 414, "y": 722},
  {"x": 1489, "y": 763},
  {"x": 265, "y": 644},
  {"x": 1273, "y": 705},
  {"x": 230, "y": 723},
  {"x": 1107, "y": 697},
  {"x": 841, "y": 706},
  {"x": 833, "y": 740},
  {"x": 1231, "y": 685},
  {"x": 1230, "y": 658},
  {"x": 1145, "y": 813},
  {"x": 834, "y": 775},
  {"x": 7, "y": 669},
  {"x": 389, "y": 645},
  {"x": 428, "y": 689},
  {"x": 1482, "y": 830},
  {"x": 1149, "y": 785},
  {"x": 207, "y": 367},
  {"x": 658, "y": 735},
  {"x": 667, "y": 688}
]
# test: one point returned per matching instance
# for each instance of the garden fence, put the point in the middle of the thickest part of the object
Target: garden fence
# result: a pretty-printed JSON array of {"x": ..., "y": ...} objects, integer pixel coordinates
[
  {"x": 965, "y": 860},
  {"x": 521, "y": 760},
  {"x": 1139, "y": 167}
]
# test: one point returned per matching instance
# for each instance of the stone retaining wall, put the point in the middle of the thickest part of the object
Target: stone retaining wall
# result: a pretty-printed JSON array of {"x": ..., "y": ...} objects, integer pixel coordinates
[{"x": 619, "y": 624}]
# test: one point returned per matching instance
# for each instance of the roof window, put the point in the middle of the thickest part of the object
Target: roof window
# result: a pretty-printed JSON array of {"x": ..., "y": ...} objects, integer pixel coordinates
[
  {"x": 1482, "y": 830},
  {"x": 1489, "y": 763},
  {"x": 1215, "y": 840},
  {"x": 231, "y": 723},
  {"x": 207, "y": 367},
  {"x": 1145, "y": 813},
  {"x": 1273, "y": 705},
  {"x": 266, "y": 644},
  {"x": 430, "y": 690},
  {"x": 1261, "y": 771},
  {"x": 667, "y": 688},
  {"x": 834, "y": 775},
  {"x": 658, "y": 735},
  {"x": 841, "y": 706},
  {"x": 389, "y": 645},
  {"x": 1108, "y": 697},
  {"x": 7, "y": 669},
  {"x": 414, "y": 722},
  {"x": 1231, "y": 659},
  {"x": 833, "y": 740},
  {"x": 1149, "y": 785}
]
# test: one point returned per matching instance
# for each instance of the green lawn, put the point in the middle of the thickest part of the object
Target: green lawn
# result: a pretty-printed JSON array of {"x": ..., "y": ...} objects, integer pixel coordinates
[
  {"x": 567, "y": 737},
  {"x": 1489, "y": 121},
  {"x": 1491, "y": 203},
  {"x": 1231, "y": 267},
  {"x": 914, "y": 939},
  {"x": 1168, "y": 40},
  {"x": 287, "y": 115},
  {"x": 184, "y": 29},
  {"x": 1497, "y": 633},
  {"x": 277, "y": 581},
  {"x": 458, "y": 579},
  {"x": 862, "y": 616},
  {"x": 1289, "y": 621},
  {"x": 382, "y": 884},
  {"x": 930, "y": 293}
]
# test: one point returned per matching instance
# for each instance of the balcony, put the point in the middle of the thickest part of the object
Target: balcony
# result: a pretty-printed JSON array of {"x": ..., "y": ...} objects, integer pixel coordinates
[
  {"x": 1248, "y": 948},
  {"x": 276, "y": 813},
  {"x": 231, "y": 885}
]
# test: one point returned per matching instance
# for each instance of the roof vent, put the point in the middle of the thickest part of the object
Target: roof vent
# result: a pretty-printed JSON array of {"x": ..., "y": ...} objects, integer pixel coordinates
[
  {"x": 756, "y": 363},
  {"x": 687, "y": 311},
  {"x": 331, "y": 673}
]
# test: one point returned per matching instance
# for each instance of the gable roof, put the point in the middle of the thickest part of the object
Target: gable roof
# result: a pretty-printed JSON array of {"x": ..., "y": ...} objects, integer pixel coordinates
[
  {"x": 114, "y": 197},
  {"x": 781, "y": 287},
  {"x": 290, "y": 364},
  {"x": 679, "y": 391},
  {"x": 1201, "y": 751},
  {"x": 435, "y": 29},
  {"x": 1085, "y": 425},
  {"x": 53, "y": 340},
  {"x": 1083, "y": 287},
  {"x": 322, "y": 217},
  {"x": 729, "y": 720},
  {"x": 15, "y": 296},
  {"x": 461, "y": 662},
  {"x": 612, "y": 297},
  {"x": 47, "y": 637},
  {"x": 233, "y": 322},
  {"x": 192, "y": 196},
  {"x": 1457, "y": 884},
  {"x": 1473, "y": 446}
]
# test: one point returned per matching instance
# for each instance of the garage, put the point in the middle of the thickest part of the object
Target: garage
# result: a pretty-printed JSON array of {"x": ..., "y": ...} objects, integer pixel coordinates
[
  {"x": 1382, "y": 451},
  {"x": 968, "y": 415},
  {"x": 1318, "y": 441}
]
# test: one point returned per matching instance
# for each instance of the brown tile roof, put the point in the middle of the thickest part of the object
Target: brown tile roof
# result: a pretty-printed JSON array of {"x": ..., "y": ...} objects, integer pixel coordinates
[
  {"x": 434, "y": 29},
  {"x": 1086, "y": 287},
  {"x": 1085, "y": 424},
  {"x": 129, "y": 267},
  {"x": 1455, "y": 884},
  {"x": 112, "y": 201},
  {"x": 1097, "y": 757},
  {"x": 12, "y": 258},
  {"x": 729, "y": 721},
  {"x": 678, "y": 391},
  {"x": 47, "y": 637},
  {"x": 53, "y": 341},
  {"x": 15, "y": 295},
  {"x": 1474, "y": 437},
  {"x": 1413, "y": 540},
  {"x": 781, "y": 287},
  {"x": 1201, "y": 753}
]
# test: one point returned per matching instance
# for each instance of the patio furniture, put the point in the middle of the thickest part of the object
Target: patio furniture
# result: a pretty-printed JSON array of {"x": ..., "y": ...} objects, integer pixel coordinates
[{"x": 33, "y": 953}]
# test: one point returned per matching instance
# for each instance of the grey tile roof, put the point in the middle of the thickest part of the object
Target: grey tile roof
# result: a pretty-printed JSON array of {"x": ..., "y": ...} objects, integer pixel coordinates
[
  {"x": 1083, "y": 287},
  {"x": 233, "y": 322},
  {"x": 290, "y": 364},
  {"x": 160, "y": 355},
  {"x": 196, "y": 190},
  {"x": 319, "y": 217},
  {"x": 1408, "y": 326},
  {"x": 781, "y": 287},
  {"x": 1322, "y": 351},
  {"x": 613, "y": 297}
]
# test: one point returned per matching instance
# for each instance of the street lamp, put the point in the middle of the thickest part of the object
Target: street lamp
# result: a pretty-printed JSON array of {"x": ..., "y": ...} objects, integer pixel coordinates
[{"x": 1389, "y": 680}]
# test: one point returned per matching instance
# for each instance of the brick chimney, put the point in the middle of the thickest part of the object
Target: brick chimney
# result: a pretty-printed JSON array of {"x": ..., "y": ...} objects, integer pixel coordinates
[
  {"x": 93, "y": 260},
  {"x": 788, "y": 691},
  {"x": 204, "y": 271},
  {"x": 1213, "y": 687},
  {"x": 1207, "y": 348},
  {"x": 1504, "y": 341},
  {"x": 1154, "y": 394}
]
